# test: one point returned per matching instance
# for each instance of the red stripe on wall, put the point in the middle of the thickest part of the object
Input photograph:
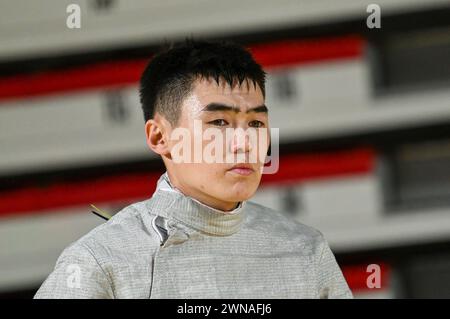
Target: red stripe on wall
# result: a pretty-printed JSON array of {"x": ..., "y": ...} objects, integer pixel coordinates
[
  {"x": 132, "y": 187},
  {"x": 322, "y": 165},
  {"x": 126, "y": 72},
  {"x": 102, "y": 75},
  {"x": 285, "y": 53},
  {"x": 108, "y": 189},
  {"x": 361, "y": 278}
]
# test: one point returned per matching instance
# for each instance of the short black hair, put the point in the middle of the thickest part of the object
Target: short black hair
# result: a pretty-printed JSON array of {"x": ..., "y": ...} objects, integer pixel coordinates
[{"x": 168, "y": 78}]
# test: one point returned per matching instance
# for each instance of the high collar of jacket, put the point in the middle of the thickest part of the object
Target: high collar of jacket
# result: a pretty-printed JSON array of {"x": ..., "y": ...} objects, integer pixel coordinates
[{"x": 169, "y": 202}]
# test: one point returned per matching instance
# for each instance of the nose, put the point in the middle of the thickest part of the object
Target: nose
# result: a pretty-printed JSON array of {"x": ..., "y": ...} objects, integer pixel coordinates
[{"x": 240, "y": 142}]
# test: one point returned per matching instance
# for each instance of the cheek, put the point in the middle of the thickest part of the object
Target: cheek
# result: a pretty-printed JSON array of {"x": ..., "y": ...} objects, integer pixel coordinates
[
  {"x": 264, "y": 144},
  {"x": 209, "y": 175}
]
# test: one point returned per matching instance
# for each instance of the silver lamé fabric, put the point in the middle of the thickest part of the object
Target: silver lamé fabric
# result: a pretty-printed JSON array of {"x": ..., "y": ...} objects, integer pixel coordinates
[{"x": 173, "y": 246}]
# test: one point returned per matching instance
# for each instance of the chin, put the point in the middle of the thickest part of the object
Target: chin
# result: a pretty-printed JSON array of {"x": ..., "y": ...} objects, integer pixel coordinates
[{"x": 242, "y": 193}]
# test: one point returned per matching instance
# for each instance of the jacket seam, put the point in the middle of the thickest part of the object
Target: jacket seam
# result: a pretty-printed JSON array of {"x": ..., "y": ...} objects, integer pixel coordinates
[{"x": 101, "y": 268}]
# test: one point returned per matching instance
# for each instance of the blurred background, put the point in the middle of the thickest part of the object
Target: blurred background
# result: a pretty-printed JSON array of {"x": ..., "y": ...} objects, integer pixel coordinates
[{"x": 364, "y": 118}]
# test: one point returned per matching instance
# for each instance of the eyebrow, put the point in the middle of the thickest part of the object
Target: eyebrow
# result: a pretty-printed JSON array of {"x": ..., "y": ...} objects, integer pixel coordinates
[{"x": 215, "y": 107}]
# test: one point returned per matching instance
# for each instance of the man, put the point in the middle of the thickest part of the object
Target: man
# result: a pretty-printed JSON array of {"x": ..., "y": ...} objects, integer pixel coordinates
[{"x": 198, "y": 236}]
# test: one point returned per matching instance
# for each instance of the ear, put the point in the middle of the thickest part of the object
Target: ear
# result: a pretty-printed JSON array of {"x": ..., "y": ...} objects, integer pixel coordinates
[{"x": 155, "y": 132}]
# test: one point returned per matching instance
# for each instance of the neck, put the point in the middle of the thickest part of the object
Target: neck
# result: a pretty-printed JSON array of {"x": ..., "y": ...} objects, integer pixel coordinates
[
  {"x": 203, "y": 198},
  {"x": 174, "y": 205}
]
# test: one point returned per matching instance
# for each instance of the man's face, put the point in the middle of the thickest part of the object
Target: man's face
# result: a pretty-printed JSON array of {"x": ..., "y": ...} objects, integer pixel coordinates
[{"x": 222, "y": 110}]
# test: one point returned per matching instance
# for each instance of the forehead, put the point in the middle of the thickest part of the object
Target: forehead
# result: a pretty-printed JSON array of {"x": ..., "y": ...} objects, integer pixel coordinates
[{"x": 245, "y": 95}]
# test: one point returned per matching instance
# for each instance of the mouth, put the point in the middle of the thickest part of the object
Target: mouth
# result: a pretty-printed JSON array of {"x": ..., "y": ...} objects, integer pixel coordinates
[{"x": 242, "y": 169}]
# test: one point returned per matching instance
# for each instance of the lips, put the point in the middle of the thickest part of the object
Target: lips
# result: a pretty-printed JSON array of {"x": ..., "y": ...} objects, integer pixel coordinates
[{"x": 242, "y": 169}]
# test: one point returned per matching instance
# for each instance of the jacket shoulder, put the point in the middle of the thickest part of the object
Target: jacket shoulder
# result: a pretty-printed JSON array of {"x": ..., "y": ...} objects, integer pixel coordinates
[
  {"x": 127, "y": 232},
  {"x": 281, "y": 219},
  {"x": 114, "y": 258},
  {"x": 281, "y": 225}
]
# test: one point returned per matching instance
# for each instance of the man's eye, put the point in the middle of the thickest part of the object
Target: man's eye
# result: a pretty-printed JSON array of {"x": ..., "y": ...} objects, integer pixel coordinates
[
  {"x": 219, "y": 122},
  {"x": 256, "y": 124}
]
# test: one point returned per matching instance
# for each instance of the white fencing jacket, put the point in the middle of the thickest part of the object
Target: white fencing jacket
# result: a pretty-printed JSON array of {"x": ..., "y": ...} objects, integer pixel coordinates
[{"x": 172, "y": 246}]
